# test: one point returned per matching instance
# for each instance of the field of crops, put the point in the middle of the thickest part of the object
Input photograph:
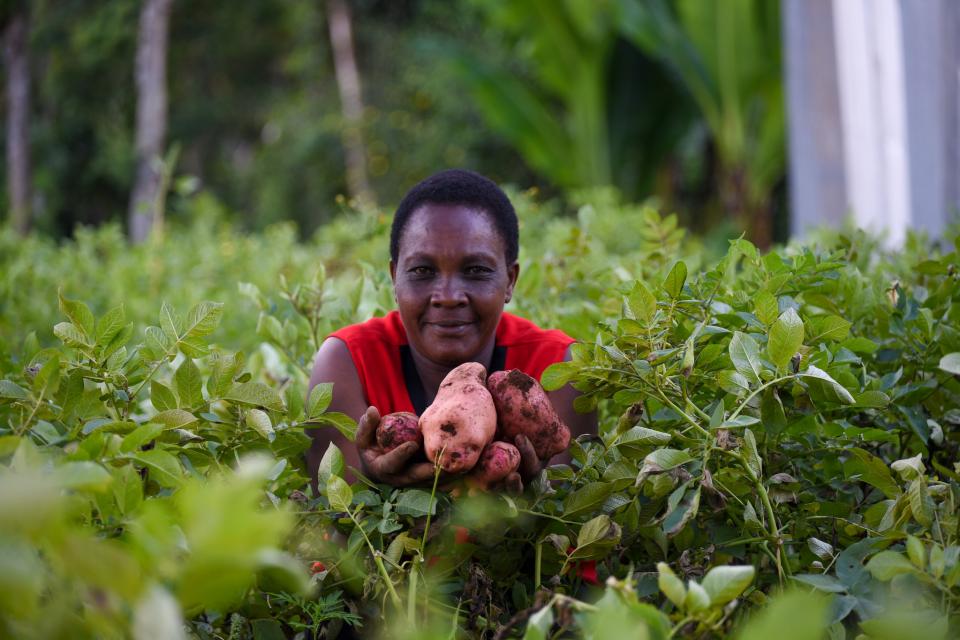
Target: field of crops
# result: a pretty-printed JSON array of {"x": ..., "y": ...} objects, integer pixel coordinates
[{"x": 777, "y": 454}]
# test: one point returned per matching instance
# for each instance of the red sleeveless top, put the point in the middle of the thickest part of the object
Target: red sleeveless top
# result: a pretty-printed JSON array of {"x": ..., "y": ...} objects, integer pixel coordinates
[{"x": 380, "y": 352}]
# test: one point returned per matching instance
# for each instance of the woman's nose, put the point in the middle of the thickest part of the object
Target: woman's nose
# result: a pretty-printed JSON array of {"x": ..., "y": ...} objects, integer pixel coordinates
[{"x": 448, "y": 292}]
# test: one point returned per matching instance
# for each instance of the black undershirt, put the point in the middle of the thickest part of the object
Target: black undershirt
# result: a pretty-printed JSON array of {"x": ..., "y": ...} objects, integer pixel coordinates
[{"x": 418, "y": 395}]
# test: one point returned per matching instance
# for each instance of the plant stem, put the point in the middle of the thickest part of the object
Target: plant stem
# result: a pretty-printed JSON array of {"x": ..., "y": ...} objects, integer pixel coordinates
[
  {"x": 537, "y": 557},
  {"x": 379, "y": 562},
  {"x": 433, "y": 493},
  {"x": 412, "y": 593},
  {"x": 753, "y": 394}
]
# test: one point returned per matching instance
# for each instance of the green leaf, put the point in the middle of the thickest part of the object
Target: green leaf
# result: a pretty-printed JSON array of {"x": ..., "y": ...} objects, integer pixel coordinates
[
  {"x": 539, "y": 624},
  {"x": 671, "y": 585},
  {"x": 127, "y": 489},
  {"x": 203, "y": 319},
  {"x": 642, "y": 303},
  {"x": 188, "y": 384},
  {"x": 745, "y": 355},
  {"x": 141, "y": 436},
  {"x": 666, "y": 459},
  {"x": 919, "y": 502},
  {"x": 909, "y": 468},
  {"x": 794, "y": 615},
  {"x": 260, "y": 422},
  {"x": 171, "y": 323},
  {"x": 70, "y": 335},
  {"x": 697, "y": 598},
  {"x": 865, "y": 466},
  {"x": 673, "y": 284},
  {"x": 766, "y": 308},
  {"x": 786, "y": 338},
  {"x": 110, "y": 325},
  {"x": 162, "y": 397},
  {"x": 162, "y": 467},
  {"x": 587, "y": 498},
  {"x": 340, "y": 421},
  {"x": 320, "y": 397},
  {"x": 638, "y": 439},
  {"x": 558, "y": 375},
  {"x": 596, "y": 538},
  {"x": 256, "y": 394},
  {"x": 79, "y": 314},
  {"x": 174, "y": 418},
  {"x": 916, "y": 552},
  {"x": 339, "y": 493},
  {"x": 85, "y": 476},
  {"x": 887, "y": 564},
  {"x": 733, "y": 382},
  {"x": 724, "y": 583},
  {"x": 839, "y": 392},
  {"x": 771, "y": 412},
  {"x": 821, "y": 582},
  {"x": 331, "y": 464},
  {"x": 831, "y": 328},
  {"x": 751, "y": 455},
  {"x": 12, "y": 391},
  {"x": 416, "y": 503},
  {"x": 951, "y": 363}
]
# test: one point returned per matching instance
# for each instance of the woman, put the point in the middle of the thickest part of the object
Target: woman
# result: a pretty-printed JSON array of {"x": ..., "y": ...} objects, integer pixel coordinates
[{"x": 453, "y": 262}]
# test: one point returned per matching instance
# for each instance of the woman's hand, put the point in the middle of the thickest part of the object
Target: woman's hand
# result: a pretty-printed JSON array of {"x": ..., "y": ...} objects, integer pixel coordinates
[
  {"x": 530, "y": 465},
  {"x": 393, "y": 467}
]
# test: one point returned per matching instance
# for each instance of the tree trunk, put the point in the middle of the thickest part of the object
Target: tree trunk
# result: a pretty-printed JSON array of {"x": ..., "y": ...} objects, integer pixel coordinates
[
  {"x": 151, "y": 79},
  {"x": 348, "y": 83},
  {"x": 15, "y": 40}
]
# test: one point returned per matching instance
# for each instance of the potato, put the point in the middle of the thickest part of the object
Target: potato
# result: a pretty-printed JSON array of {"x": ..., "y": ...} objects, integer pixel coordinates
[
  {"x": 461, "y": 421},
  {"x": 397, "y": 428},
  {"x": 523, "y": 407},
  {"x": 497, "y": 461}
]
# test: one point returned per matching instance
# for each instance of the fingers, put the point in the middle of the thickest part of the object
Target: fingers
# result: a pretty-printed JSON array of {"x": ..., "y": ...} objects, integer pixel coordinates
[
  {"x": 393, "y": 462},
  {"x": 513, "y": 484},
  {"x": 367, "y": 428},
  {"x": 420, "y": 473},
  {"x": 530, "y": 464}
]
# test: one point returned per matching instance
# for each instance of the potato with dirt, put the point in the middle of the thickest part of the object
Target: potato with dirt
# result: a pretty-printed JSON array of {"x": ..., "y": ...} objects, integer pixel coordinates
[
  {"x": 497, "y": 461},
  {"x": 397, "y": 428},
  {"x": 461, "y": 421},
  {"x": 523, "y": 407}
]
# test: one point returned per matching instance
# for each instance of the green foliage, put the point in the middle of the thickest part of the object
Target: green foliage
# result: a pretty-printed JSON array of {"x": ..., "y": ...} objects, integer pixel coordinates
[{"x": 768, "y": 423}]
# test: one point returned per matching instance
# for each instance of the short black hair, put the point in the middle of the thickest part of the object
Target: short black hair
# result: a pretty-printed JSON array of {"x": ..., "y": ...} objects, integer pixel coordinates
[{"x": 461, "y": 187}]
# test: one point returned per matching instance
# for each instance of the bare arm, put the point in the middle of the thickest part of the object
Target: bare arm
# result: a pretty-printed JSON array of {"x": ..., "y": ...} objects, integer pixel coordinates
[{"x": 334, "y": 364}]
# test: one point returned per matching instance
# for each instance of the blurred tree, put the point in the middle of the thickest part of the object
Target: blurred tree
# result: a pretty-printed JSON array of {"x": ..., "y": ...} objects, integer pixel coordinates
[
  {"x": 151, "y": 126},
  {"x": 351, "y": 100},
  {"x": 728, "y": 57},
  {"x": 17, "y": 62}
]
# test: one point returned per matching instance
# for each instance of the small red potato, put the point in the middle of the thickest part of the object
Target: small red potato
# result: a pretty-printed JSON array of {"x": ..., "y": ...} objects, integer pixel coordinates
[
  {"x": 397, "y": 428},
  {"x": 461, "y": 421},
  {"x": 523, "y": 407},
  {"x": 497, "y": 461}
]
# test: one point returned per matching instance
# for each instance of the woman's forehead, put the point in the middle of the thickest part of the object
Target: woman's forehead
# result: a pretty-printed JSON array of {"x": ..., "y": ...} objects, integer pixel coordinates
[{"x": 446, "y": 225}]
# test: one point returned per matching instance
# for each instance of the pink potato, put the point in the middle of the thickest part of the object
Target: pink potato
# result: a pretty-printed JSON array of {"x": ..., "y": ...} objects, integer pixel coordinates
[
  {"x": 397, "y": 428},
  {"x": 461, "y": 421},
  {"x": 497, "y": 461},
  {"x": 523, "y": 407}
]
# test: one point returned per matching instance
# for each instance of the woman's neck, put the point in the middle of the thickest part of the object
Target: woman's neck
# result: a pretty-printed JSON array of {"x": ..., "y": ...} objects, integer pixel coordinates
[{"x": 432, "y": 374}]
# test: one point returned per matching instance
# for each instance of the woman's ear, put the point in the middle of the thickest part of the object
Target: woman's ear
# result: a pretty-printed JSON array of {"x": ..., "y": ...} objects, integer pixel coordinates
[
  {"x": 393, "y": 278},
  {"x": 512, "y": 273}
]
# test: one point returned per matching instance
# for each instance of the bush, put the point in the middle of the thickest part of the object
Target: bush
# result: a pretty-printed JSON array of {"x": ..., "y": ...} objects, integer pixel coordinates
[{"x": 779, "y": 422}]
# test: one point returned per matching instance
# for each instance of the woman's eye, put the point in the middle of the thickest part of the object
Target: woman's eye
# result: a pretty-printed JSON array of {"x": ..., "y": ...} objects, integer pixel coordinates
[
  {"x": 479, "y": 271},
  {"x": 421, "y": 271}
]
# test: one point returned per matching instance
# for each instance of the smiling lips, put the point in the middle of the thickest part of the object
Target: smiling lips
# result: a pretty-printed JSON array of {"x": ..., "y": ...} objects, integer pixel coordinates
[{"x": 451, "y": 326}]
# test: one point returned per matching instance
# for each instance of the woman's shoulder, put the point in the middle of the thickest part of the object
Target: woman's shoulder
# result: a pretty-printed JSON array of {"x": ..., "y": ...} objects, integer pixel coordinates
[
  {"x": 514, "y": 330},
  {"x": 387, "y": 329}
]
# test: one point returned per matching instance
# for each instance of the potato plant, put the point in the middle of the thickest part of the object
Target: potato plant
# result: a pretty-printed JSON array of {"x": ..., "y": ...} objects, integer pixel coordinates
[{"x": 777, "y": 455}]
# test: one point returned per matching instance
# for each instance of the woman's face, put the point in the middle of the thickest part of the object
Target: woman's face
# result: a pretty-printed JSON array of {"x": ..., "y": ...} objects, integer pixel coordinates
[{"x": 451, "y": 280}]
